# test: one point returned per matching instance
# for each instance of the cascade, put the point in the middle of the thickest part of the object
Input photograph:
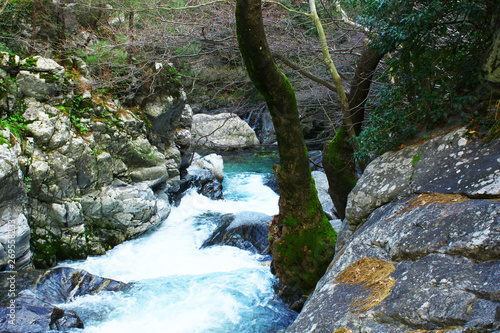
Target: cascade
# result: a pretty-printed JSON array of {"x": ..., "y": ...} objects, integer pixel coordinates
[{"x": 174, "y": 286}]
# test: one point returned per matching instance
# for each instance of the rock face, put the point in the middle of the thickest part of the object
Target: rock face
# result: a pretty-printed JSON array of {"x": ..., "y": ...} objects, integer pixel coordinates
[
  {"x": 89, "y": 173},
  {"x": 245, "y": 230},
  {"x": 14, "y": 229},
  {"x": 206, "y": 174},
  {"x": 446, "y": 164},
  {"x": 222, "y": 131},
  {"x": 427, "y": 257},
  {"x": 33, "y": 308}
]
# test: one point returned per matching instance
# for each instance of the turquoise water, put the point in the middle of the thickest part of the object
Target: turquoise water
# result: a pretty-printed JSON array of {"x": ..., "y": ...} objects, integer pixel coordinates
[{"x": 177, "y": 287}]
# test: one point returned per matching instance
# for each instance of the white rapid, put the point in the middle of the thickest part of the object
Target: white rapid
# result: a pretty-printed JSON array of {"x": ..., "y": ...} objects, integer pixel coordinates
[{"x": 177, "y": 287}]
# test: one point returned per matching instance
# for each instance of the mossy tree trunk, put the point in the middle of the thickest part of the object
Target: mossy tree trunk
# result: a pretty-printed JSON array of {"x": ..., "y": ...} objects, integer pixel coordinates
[
  {"x": 302, "y": 240},
  {"x": 338, "y": 160}
]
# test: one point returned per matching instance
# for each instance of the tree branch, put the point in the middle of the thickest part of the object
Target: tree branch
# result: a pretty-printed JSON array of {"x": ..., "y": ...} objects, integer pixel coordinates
[
  {"x": 305, "y": 73},
  {"x": 3, "y": 6}
]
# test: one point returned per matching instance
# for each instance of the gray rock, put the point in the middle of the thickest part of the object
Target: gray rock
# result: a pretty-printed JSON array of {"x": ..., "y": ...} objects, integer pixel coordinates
[
  {"x": 33, "y": 308},
  {"x": 445, "y": 164},
  {"x": 141, "y": 153},
  {"x": 39, "y": 64},
  {"x": 206, "y": 174},
  {"x": 441, "y": 257},
  {"x": 322, "y": 187},
  {"x": 165, "y": 113},
  {"x": 14, "y": 238},
  {"x": 129, "y": 210},
  {"x": 222, "y": 131},
  {"x": 245, "y": 230},
  {"x": 153, "y": 175},
  {"x": 14, "y": 230},
  {"x": 212, "y": 162},
  {"x": 32, "y": 85}
]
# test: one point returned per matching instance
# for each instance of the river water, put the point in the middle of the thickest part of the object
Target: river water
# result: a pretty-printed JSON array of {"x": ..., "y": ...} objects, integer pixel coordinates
[{"x": 177, "y": 287}]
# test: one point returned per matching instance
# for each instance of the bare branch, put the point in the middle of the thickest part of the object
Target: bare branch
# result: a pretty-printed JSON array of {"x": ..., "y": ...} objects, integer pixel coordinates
[
  {"x": 305, "y": 73},
  {"x": 291, "y": 10},
  {"x": 3, "y": 6}
]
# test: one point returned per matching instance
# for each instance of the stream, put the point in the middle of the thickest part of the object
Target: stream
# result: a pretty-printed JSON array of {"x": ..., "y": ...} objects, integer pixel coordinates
[{"x": 177, "y": 287}]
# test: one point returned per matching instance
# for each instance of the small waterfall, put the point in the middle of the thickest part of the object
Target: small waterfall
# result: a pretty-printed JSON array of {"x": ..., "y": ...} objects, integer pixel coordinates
[{"x": 177, "y": 287}]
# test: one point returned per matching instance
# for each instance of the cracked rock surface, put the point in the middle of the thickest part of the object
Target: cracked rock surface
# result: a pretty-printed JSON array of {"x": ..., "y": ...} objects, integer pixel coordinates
[{"x": 441, "y": 234}]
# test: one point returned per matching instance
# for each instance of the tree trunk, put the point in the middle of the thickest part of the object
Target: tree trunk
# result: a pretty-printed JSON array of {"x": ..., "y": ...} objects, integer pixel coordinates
[
  {"x": 491, "y": 66},
  {"x": 338, "y": 161},
  {"x": 302, "y": 240},
  {"x": 360, "y": 85}
]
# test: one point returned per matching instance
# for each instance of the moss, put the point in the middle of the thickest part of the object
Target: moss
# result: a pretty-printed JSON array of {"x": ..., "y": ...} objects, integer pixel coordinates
[
  {"x": 335, "y": 149},
  {"x": 306, "y": 253}
]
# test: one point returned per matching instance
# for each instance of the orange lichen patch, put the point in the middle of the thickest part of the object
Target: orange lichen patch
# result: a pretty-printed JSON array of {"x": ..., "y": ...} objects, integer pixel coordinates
[
  {"x": 436, "y": 331},
  {"x": 373, "y": 275},
  {"x": 343, "y": 330},
  {"x": 432, "y": 198}
]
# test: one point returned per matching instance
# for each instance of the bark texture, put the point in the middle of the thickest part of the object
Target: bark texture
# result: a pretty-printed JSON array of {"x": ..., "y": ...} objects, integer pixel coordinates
[
  {"x": 338, "y": 160},
  {"x": 301, "y": 238}
]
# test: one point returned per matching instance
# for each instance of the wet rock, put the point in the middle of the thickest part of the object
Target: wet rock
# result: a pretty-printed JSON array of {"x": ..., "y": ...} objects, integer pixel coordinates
[
  {"x": 245, "y": 230},
  {"x": 31, "y": 314},
  {"x": 63, "y": 284},
  {"x": 34, "y": 309},
  {"x": 222, "y": 131},
  {"x": 206, "y": 174}
]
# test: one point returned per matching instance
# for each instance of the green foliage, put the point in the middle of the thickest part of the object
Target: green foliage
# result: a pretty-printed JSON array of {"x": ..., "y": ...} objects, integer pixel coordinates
[
  {"x": 15, "y": 123},
  {"x": 30, "y": 62},
  {"x": 77, "y": 111},
  {"x": 436, "y": 51}
]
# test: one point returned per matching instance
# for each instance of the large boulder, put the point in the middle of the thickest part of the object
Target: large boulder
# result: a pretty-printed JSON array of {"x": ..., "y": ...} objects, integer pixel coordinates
[
  {"x": 423, "y": 253},
  {"x": 244, "y": 230},
  {"x": 451, "y": 163},
  {"x": 222, "y": 131},
  {"x": 427, "y": 262}
]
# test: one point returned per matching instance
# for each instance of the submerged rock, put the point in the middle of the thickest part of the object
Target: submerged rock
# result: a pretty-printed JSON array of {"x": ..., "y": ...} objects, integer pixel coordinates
[{"x": 245, "y": 230}]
